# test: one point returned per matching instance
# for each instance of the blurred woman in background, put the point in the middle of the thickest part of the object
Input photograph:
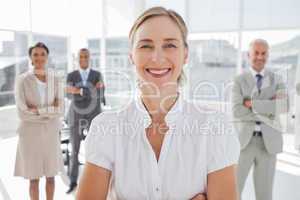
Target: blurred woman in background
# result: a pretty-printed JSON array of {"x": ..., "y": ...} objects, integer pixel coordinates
[{"x": 39, "y": 102}]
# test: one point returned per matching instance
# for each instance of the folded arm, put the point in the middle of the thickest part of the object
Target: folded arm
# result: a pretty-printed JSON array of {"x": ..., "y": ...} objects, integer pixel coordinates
[
  {"x": 26, "y": 112},
  {"x": 74, "y": 93},
  {"x": 53, "y": 111},
  {"x": 278, "y": 104},
  {"x": 94, "y": 183},
  {"x": 221, "y": 184},
  {"x": 239, "y": 111}
]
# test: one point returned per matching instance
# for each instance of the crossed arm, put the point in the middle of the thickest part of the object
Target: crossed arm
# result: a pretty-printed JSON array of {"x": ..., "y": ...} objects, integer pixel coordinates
[
  {"x": 94, "y": 184},
  {"x": 81, "y": 93},
  {"x": 29, "y": 112},
  {"x": 253, "y": 109}
]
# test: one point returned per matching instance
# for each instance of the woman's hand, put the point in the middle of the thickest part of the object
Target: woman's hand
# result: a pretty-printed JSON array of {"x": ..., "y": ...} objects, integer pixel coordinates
[
  {"x": 199, "y": 197},
  {"x": 33, "y": 108},
  {"x": 55, "y": 103}
]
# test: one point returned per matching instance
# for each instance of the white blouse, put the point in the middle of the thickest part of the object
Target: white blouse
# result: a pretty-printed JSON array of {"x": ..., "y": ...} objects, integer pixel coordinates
[
  {"x": 42, "y": 90},
  {"x": 196, "y": 144}
]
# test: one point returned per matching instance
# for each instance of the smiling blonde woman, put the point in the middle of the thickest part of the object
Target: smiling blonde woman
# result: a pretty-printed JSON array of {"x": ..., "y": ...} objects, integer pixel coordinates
[{"x": 160, "y": 146}]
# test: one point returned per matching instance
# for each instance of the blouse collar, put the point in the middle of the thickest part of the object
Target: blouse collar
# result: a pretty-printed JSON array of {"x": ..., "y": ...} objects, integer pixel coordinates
[{"x": 170, "y": 117}]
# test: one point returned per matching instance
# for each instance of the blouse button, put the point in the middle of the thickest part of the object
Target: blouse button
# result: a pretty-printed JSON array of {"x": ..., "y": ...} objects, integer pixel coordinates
[{"x": 157, "y": 189}]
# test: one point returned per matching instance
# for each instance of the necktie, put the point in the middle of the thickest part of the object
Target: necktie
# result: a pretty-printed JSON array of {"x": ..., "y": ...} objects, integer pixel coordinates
[
  {"x": 84, "y": 76},
  {"x": 259, "y": 81}
]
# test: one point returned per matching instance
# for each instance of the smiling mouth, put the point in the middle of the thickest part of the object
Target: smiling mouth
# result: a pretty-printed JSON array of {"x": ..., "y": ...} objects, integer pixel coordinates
[{"x": 158, "y": 73}]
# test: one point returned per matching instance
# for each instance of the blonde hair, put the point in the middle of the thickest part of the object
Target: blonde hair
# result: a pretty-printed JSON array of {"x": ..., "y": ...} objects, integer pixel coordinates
[{"x": 157, "y": 12}]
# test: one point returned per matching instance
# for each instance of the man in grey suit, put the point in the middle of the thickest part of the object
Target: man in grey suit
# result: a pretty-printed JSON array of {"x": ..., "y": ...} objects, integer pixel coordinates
[
  {"x": 85, "y": 89},
  {"x": 258, "y": 98}
]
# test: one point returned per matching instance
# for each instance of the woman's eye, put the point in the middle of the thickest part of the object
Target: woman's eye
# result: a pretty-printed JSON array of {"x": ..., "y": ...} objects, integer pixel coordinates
[
  {"x": 146, "y": 46},
  {"x": 170, "y": 46}
]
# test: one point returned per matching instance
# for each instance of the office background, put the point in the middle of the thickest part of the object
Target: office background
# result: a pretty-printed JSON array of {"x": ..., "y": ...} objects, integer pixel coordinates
[{"x": 220, "y": 32}]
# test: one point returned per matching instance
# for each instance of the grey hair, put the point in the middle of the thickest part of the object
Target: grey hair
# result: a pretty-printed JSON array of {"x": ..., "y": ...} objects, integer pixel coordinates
[{"x": 258, "y": 41}]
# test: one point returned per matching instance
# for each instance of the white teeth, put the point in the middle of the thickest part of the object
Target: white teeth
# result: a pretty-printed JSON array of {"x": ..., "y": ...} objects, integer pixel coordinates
[{"x": 158, "y": 71}]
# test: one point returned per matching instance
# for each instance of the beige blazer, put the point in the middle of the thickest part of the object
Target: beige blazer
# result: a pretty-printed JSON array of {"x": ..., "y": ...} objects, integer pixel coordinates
[
  {"x": 26, "y": 93},
  {"x": 38, "y": 152}
]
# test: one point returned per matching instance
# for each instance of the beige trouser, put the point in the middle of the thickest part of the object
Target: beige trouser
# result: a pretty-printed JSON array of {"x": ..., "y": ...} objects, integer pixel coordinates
[{"x": 263, "y": 170}]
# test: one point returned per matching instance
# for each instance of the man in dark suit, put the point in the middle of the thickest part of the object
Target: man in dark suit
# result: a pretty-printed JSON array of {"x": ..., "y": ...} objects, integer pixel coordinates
[{"x": 85, "y": 89}]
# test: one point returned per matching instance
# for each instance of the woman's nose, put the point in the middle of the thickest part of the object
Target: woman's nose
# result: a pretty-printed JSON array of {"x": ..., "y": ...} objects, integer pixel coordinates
[{"x": 158, "y": 56}]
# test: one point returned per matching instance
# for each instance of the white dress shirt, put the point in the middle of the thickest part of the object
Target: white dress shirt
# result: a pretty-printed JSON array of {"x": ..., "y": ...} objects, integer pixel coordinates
[
  {"x": 195, "y": 145},
  {"x": 84, "y": 73},
  {"x": 42, "y": 90},
  {"x": 254, "y": 73}
]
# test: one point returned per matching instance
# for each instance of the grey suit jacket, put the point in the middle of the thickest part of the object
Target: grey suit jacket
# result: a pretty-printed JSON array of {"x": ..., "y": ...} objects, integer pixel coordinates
[
  {"x": 88, "y": 105},
  {"x": 266, "y": 108}
]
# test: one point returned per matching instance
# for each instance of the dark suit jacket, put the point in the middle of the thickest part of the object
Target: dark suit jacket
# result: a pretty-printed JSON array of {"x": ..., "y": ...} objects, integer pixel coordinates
[{"x": 88, "y": 105}]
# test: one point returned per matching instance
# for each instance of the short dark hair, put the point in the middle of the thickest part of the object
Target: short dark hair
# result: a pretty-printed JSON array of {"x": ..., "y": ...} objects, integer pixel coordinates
[
  {"x": 40, "y": 45},
  {"x": 84, "y": 49}
]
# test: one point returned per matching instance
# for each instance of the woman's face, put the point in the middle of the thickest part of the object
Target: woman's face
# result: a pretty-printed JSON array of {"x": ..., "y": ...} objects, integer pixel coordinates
[
  {"x": 158, "y": 52},
  {"x": 39, "y": 57}
]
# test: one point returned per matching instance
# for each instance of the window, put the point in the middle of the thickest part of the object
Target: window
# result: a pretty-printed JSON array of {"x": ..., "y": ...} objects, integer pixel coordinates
[
  {"x": 211, "y": 67},
  {"x": 15, "y": 15},
  {"x": 13, "y": 60}
]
